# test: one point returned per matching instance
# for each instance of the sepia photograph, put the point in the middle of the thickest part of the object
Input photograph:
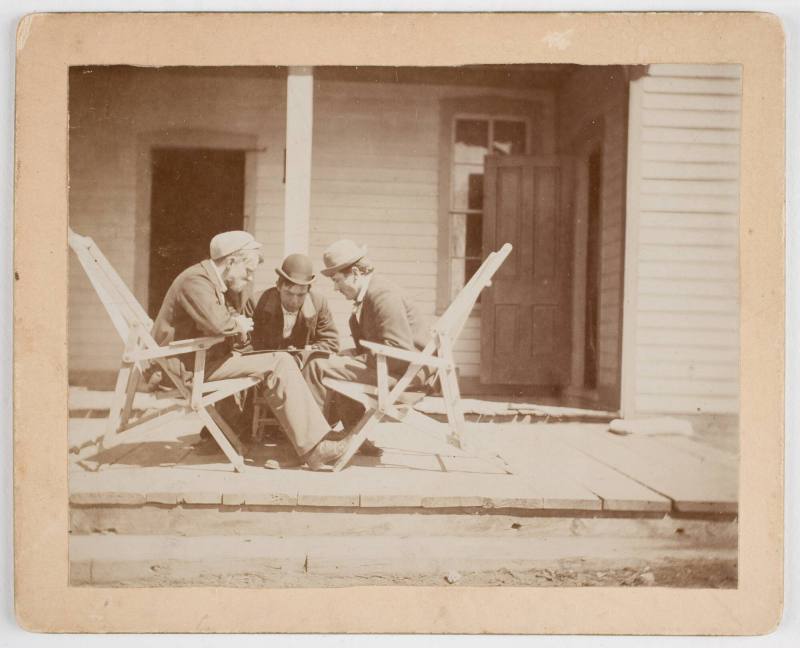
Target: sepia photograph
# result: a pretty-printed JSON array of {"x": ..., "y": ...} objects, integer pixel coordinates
[
  {"x": 399, "y": 323},
  {"x": 469, "y": 325}
]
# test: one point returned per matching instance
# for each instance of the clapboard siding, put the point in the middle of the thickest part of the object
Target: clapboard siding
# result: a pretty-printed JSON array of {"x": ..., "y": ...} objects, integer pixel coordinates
[
  {"x": 375, "y": 165},
  {"x": 375, "y": 180},
  {"x": 682, "y": 351}
]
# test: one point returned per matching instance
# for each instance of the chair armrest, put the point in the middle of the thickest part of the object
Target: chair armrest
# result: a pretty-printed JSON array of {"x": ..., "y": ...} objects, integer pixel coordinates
[
  {"x": 403, "y": 354},
  {"x": 197, "y": 343},
  {"x": 179, "y": 347}
]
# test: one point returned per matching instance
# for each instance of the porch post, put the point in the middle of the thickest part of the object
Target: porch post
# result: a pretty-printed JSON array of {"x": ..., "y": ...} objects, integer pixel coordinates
[
  {"x": 299, "y": 125},
  {"x": 627, "y": 405}
]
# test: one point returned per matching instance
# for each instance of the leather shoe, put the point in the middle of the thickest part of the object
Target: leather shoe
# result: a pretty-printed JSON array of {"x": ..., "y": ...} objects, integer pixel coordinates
[{"x": 326, "y": 452}]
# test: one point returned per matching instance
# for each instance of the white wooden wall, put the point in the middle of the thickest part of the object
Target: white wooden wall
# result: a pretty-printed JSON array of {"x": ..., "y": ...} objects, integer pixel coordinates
[
  {"x": 681, "y": 335},
  {"x": 109, "y": 110},
  {"x": 375, "y": 180}
]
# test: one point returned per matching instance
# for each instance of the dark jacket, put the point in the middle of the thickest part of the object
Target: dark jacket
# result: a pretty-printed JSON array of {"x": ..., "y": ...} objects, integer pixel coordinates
[
  {"x": 197, "y": 305},
  {"x": 389, "y": 317},
  {"x": 314, "y": 325}
]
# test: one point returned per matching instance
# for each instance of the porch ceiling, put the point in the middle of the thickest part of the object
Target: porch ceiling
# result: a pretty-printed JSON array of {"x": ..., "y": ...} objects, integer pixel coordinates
[
  {"x": 527, "y": 76},
  {"x": 498, "y": 76}
]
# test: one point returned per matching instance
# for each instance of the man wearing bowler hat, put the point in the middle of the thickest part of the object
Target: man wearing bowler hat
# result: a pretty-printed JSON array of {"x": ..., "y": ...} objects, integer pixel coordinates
[
  {"x": 206, "y": 299},
  {"x": 381, "y": 313},
  {"x": 292, "y": 314}
]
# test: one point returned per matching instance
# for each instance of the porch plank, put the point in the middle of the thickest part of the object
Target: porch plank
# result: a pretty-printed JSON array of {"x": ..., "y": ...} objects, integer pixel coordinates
[
  {"x": 559, "y": 467},
  {"x": 702, "y": 451},
  {"x": 616, "y": 491},
  {"x": 108, "y": 458},
  {"x": 154, "y": 453},
  {"x": 691, "y": 484},
  {"x": 529, "y": 456}
]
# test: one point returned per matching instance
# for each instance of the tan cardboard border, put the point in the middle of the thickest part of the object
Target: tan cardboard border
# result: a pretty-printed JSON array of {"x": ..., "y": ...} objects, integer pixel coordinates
[{"x": 49, "y": 43}]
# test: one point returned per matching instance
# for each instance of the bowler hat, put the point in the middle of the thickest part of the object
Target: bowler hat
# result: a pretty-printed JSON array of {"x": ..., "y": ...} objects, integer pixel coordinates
[
  {"x": 297, "y": 269},
  {"x": 340, "y": 255},
  {"x": 226, "y": 243}
]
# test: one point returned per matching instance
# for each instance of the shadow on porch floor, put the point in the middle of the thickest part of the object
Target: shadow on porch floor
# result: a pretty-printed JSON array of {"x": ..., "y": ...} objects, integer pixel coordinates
[{"x": 558, "y": 467}]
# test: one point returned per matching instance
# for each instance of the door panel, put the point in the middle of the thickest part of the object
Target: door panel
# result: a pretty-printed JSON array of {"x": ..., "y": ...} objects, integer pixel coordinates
[{"x": 525, "y": 314}]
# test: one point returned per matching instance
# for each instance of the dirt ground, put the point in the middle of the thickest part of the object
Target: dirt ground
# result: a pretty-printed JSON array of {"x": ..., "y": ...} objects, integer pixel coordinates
[{"x": 716, "y": 574}]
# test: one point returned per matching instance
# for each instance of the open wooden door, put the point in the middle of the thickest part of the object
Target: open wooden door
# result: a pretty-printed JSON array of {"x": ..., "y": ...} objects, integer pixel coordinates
[{"x": 526, "y": 313}]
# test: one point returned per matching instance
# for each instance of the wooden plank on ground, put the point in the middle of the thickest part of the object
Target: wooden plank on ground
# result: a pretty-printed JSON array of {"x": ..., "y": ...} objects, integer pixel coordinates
[
  {"x": 617, "y": 491},
  {"x": 106, "y": 459},
  {"x": 529, "y": 458},
  {"x": 155, "y": 453},
  {"x": 85, "y": 432},
  {"x": 687, "y": 481},
  {"x": 405, "y": 460},
  {"x": 702, "y": 451}
]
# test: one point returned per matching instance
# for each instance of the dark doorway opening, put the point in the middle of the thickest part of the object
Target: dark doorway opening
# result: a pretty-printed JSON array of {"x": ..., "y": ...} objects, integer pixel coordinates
[
  {"x": 196, "y": 193},
  {"x": 592, "y": 314}
]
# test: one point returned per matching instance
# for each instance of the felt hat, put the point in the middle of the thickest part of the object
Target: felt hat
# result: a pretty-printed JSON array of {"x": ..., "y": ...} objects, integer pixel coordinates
[
  {"x": 297, "y": 269},
  {"x": 226, "y": 243},
  {"x": 341, "y": 254}
]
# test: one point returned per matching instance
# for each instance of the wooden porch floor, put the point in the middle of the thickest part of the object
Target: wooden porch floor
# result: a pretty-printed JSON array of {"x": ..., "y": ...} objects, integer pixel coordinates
[{"x": 558, "y": 468}]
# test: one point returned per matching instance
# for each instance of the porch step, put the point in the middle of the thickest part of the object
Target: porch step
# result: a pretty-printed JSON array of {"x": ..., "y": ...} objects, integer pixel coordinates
[
  {"x": 314, "y": 560},
  {"x": 197, "y": 520}
]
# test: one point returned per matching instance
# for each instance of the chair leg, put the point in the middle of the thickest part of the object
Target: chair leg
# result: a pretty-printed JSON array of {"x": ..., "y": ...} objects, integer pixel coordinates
[
  {"x": 255, "y": 429},
  {"x": 220, "y": 438},
  {"x": 133, "y": 383},
  {"x": 118, "y": 400},
  {"x": 359, "y": 432},
  {"x": 227, "y": 430}
]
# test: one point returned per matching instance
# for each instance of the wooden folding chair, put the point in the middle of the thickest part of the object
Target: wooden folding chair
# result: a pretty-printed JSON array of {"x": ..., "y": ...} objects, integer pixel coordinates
[
  {"x": 134, "y": 327},
  {"x": 397, "y": 402}
]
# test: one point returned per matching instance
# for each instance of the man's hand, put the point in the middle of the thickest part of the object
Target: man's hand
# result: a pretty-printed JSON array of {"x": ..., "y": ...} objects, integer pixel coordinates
[{"x": 244, "y": 324}]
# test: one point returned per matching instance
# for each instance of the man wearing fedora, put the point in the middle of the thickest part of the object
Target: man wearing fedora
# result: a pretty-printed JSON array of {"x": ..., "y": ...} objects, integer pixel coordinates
[
  {"x": 206, "y": 299},
  {"x": 292, "y": 314},
  {"x": 381, "y": 313}
]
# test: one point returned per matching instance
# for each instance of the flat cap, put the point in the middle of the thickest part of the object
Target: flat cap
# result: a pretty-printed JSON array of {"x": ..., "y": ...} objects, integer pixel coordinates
[{"x": 226, "y": 243}]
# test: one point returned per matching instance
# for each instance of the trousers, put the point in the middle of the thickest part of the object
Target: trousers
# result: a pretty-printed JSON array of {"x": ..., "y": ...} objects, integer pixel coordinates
[
  {"x": 351, "y": 369},
  {"x": 288, "y": 395}
]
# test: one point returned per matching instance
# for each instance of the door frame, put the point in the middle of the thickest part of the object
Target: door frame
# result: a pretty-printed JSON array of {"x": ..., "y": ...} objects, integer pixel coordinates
[
  {"x": 587, "y": 141},
  {"x": 187, "y": 138}
]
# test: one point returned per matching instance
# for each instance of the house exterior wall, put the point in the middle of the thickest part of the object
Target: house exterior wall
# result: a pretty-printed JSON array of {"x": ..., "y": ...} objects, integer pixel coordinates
[
  {"x": 593, "y": 108},
  {"x": 375, "y": 180},
  {"x": 681, "y": 352},
  {"x": 375, "y": 157},
  {"x": 116, "y": 115}
]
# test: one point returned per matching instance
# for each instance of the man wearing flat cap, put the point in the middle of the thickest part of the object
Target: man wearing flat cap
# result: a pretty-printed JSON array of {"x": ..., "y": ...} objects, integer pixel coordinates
[
  {"x": 206, "y": 300},
  {"x": 382, "y": 313},
  {"x": 292, "y": 314}
]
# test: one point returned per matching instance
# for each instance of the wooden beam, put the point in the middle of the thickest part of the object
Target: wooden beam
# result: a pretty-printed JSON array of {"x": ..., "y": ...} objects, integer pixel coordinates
[
  {"x": 299, "y": 126},
  {"x": 627, "y": 403}
]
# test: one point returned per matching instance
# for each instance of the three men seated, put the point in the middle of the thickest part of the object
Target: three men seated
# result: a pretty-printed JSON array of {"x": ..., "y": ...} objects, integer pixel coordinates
[{"x": 211, "y": 298}]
